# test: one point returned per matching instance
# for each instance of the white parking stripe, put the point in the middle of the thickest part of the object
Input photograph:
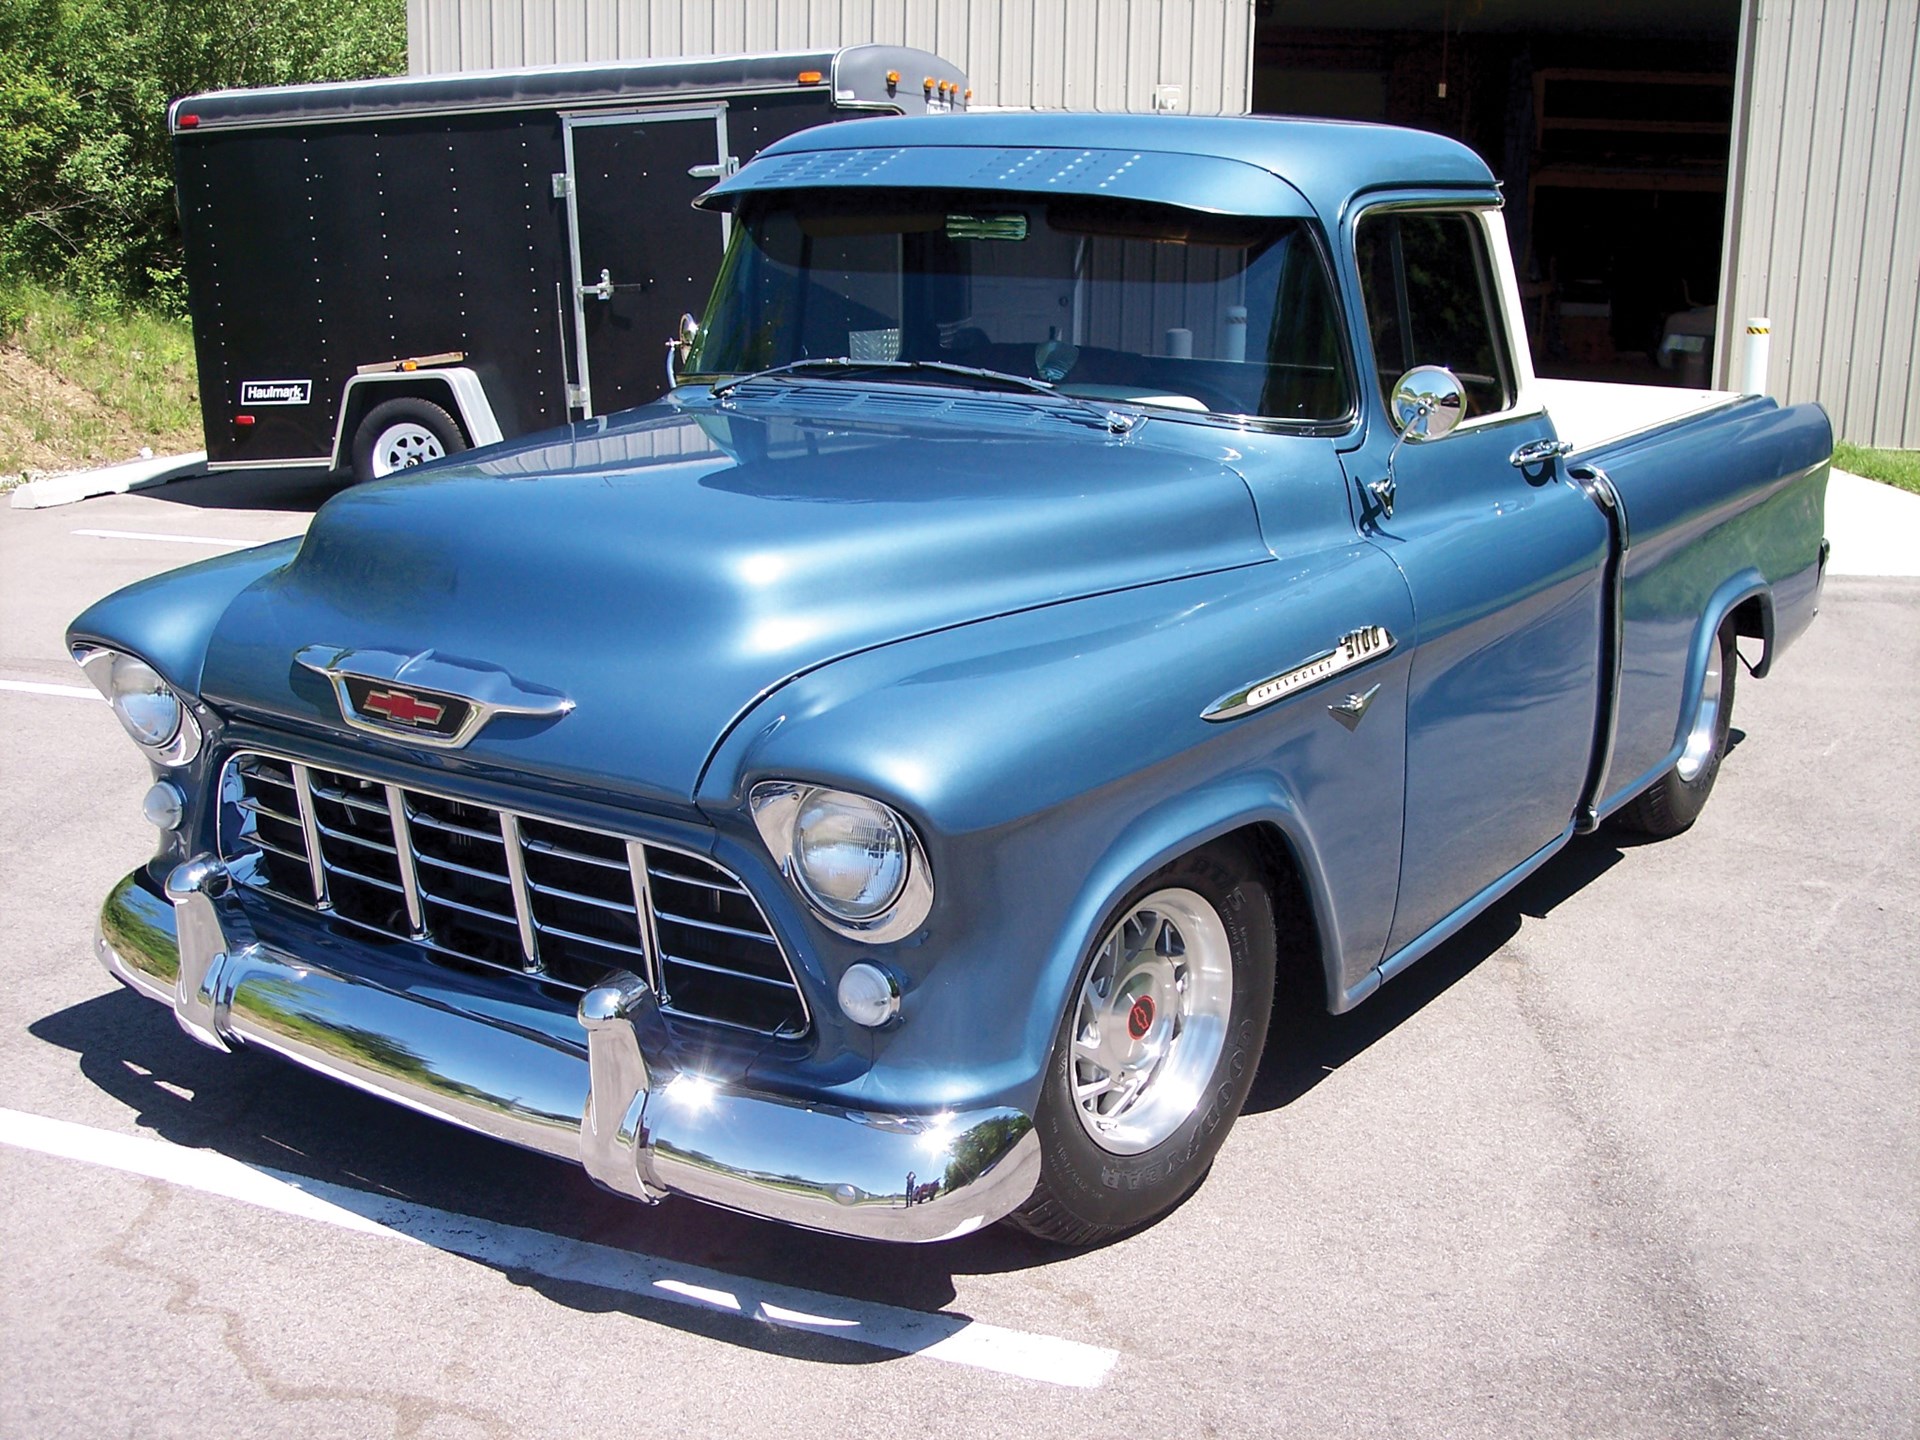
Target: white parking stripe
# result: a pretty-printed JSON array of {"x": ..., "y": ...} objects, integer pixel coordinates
[
  {"x": 170, "y": 539},
  {"x": 951, "y": 1338},
  {"x": 41, "y": 687}
]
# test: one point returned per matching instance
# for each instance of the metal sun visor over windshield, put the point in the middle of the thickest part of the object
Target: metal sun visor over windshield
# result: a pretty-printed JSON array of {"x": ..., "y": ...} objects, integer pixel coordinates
[{"x": 1103, "y": 298}]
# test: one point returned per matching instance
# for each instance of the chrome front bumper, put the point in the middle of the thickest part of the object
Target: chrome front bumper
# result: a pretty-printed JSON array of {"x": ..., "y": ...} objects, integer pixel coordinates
[{"x": 580, "y": 1089}]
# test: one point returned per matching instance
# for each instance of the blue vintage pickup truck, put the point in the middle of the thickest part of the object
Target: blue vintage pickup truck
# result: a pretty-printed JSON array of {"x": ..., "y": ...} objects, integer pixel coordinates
[{"x": 1087, "y": 568}]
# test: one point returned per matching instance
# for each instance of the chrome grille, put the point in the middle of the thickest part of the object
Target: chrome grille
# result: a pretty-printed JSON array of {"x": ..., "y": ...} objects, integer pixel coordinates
[{"x": 507, "y": 890}]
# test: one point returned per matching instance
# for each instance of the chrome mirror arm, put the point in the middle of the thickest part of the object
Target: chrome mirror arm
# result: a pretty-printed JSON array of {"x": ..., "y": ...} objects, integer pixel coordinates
[
  {"x": 1382, "y": 490},
  {"x": 1426, "y": 403}
]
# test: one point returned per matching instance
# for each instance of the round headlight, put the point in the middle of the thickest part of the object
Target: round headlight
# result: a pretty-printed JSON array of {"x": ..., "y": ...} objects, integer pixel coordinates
[
  {"x": 850, "y": 853},
  {"x": 144, "y": 702}
]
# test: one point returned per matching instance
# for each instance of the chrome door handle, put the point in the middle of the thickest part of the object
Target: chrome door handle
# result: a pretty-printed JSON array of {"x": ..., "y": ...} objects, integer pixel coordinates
[{"x": 1538, "y": 452}]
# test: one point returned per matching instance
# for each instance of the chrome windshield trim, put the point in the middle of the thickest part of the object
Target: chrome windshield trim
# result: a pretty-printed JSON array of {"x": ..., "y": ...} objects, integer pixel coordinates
[{"x": 1118, "y": 422}]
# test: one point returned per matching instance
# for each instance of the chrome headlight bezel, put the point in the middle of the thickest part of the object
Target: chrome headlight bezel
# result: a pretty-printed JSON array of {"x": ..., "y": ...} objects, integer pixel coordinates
[
  {"x": 776, "y": 806},
  {"x": 119, "y": 673}
]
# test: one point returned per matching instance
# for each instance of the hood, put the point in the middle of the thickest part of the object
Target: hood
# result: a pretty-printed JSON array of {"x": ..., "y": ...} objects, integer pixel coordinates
[{"x": 664, "y": 569}]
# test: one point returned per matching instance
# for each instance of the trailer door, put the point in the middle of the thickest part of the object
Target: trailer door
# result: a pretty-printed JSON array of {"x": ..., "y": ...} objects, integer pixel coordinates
[{"x": 642, "y": 255}]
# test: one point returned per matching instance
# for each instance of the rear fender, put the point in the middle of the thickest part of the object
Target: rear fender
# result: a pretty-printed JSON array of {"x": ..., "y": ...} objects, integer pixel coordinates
[{"x": 1735, "y": 591}]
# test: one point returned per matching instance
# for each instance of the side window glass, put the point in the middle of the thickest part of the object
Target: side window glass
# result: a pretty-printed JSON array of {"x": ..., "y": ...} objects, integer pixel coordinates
[{"x": 1428, "y": 289}]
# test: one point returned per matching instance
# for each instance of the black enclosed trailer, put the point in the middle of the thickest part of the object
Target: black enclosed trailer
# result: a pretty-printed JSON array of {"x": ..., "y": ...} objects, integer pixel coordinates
[{"x": 383, "y": 271}]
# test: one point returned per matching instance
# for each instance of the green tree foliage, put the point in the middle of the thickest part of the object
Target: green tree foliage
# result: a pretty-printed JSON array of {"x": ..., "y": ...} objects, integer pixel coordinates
[{"x": 86, "y": 177}]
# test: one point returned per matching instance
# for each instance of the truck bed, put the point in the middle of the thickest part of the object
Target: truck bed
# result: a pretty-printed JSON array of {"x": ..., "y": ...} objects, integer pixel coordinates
[{"x": 1592, "y": 413}]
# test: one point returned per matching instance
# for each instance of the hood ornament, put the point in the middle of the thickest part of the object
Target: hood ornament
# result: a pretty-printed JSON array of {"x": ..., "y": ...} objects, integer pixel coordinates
[{"x": 425, "y": 699}]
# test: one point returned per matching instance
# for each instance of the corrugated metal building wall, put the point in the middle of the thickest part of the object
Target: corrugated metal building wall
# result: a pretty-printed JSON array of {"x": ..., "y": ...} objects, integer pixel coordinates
[
  {"x": 1823, "y": 233},
  {"x": 1040, "y": 54},
  {"x": 1826, "y": 134}
]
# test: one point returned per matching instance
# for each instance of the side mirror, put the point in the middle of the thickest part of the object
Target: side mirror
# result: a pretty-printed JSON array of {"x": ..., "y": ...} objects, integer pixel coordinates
[
  {"x": 1427, "y": 402},
  {"x": 680, "y": 348}
]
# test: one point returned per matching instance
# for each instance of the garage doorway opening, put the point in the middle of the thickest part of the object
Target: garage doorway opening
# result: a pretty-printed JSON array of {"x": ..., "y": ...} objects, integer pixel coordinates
[{"x": 1609, "y": 126}]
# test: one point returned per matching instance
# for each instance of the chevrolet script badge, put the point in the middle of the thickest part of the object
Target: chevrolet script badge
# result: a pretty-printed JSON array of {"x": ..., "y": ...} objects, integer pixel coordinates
[{"x": 1356, "y": 646}]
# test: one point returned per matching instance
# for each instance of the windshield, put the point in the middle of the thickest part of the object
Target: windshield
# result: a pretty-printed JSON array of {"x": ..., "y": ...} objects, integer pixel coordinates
[{"x": 1105, "y": 299}]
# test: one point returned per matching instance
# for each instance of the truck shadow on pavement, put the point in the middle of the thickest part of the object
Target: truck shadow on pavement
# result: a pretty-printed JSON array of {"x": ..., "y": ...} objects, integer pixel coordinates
[
  {"x": 262, "y": 1112},
  {"x": 250, "y": 490},
  {"x": 1305, "y": 1045}
]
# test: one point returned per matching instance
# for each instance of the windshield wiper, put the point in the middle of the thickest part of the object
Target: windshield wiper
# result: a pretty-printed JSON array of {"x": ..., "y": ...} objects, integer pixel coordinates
[{"x": 1117, "y": 421}]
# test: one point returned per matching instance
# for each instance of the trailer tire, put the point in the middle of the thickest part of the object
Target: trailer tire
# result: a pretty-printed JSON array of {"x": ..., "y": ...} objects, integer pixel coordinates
[{"x": 398, "y": 434}]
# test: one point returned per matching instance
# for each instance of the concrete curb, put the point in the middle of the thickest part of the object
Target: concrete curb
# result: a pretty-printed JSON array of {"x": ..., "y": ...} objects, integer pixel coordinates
[
  {"x": 75, "y": 485},
  {"x": 1875, "y": 528}
]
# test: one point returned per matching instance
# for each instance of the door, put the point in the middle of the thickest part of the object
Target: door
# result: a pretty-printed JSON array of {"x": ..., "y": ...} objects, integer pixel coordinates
[
  {"x": 1505, "y": 565},
  {"x": 642, "y": 255}
]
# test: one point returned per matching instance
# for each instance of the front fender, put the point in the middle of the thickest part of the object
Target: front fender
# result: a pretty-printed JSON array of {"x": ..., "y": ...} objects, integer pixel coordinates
[
  {"x": 168, "y": 619},
  {"x": 1052, "y": 758},
  {"x": 1173, "y": 828}
]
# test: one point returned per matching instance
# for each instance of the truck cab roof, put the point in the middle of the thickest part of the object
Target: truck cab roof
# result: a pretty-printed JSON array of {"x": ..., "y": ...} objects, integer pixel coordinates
[{"x": 1212, "y": 163}]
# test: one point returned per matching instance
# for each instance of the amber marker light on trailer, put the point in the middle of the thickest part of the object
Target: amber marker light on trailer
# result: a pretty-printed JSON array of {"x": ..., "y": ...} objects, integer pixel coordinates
[{"x": 809, "y": 77}]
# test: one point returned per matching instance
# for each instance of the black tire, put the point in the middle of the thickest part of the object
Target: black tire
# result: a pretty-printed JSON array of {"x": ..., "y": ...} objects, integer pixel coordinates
[
  {"x": 392, "y": 437},
  {"x": 1675, "y": 800},
  {"x": 1090, "y": 1192}
]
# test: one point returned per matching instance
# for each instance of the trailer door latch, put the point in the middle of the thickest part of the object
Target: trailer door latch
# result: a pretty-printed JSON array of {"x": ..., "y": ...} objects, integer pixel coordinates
[
  {"x": 562, "y": 185},
  {"x": 602, "y": 291},
  {"x": 719, "y": 170}
]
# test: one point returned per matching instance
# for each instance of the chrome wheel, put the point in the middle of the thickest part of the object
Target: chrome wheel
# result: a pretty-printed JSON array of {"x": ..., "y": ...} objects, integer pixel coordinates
[
  {"x": 1704, "y": 738},
  {"x": 1150, "y": 1021},
  {"x": 407, "y": 443}
]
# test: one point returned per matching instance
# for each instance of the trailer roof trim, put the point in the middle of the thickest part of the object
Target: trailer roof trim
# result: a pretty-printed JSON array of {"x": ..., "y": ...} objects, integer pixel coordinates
[{"x": 860, "y": 69}]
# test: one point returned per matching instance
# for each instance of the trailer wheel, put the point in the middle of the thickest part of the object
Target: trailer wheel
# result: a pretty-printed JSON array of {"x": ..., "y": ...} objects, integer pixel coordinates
[{"x": 397, "y": 434}]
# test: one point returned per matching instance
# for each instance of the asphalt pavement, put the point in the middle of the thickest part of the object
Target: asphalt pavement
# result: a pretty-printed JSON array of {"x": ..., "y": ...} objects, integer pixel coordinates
[{"x": 1636, "y": 1155}]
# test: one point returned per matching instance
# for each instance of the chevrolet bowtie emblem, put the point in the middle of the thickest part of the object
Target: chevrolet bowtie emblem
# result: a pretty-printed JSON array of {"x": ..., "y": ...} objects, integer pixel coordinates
[
  {"x": 402, "y": 708},
  {"x": 1350, "y": 711},
  {"x": 427, "y": 698}
]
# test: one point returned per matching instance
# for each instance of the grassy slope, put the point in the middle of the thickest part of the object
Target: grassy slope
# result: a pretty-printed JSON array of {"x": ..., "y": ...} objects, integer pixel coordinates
[
  {"x": 1894, "y": 467},
  {"x": 87, "y": 384}
]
